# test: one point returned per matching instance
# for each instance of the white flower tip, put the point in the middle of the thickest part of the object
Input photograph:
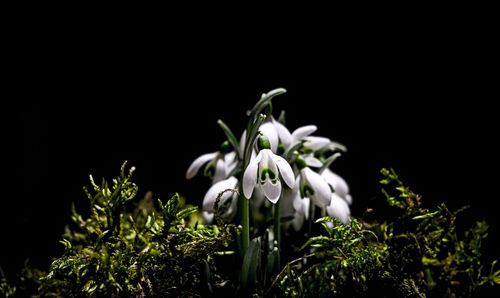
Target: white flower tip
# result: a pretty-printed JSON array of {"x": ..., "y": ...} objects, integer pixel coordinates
[{"x": 198, "y": 163}]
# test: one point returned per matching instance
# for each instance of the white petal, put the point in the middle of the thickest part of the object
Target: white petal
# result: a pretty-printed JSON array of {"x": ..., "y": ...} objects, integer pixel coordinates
[
  {"x": 207, "y": 217},
  {"x": 283, "y": 134},
  {"x": 197, "y": 163},
  {"x": 230, "y": 162},
  {"x": 250, "y": 176},
  {"x": 306, "y": 204},
  {"x": 285, "y": 170},
  {"x": 312, "y": 161},
  {"x": 298, "y": 221},
  {"x": 258, "y": 198},
  {"x": 316, "y": 143},
  {"x": 338, "y": 183},
  {"x": 322, "y": 192},
  {"x": 268, "y": 130},
  {"x": 267, "y": 161},
  {"x": 286, "y": 204},
  {"x": 272, "y": 191},
  {"x": 230, "y": 157},
  {"x": 338, "y": 208},
  {"x": 303, "y": 131},
  {"x": 215, "y": 190},
  {"x": 220, "y": 171},
  {"x": 348, "y": 199},
  {"x": 297, "y": 200},
  {"x": 230, "y": 213},
  {"x": 241, "y": 145}
]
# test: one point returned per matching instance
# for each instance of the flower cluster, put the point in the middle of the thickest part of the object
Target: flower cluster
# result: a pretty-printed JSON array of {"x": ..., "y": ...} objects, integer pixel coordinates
[{"x": 270, "y": 165}]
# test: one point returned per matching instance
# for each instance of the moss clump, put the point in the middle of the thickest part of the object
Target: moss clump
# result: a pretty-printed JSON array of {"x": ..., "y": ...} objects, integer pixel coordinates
[
  {"x": 160, "y": 249},
  {"x": 416, "y": 252},
  {"x": 146, "y": 252}
]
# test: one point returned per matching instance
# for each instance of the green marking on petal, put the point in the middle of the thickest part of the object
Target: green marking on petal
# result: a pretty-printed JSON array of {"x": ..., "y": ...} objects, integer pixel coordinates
[
  {"x": 280, "y": 150},
  {"x": 267, "y": 172},
  {"x": 300, "y": 162},
  {"x": 306, "y": 191},
  {"x": 306, "y": 150},
  {"x": 210, "y": 170}
]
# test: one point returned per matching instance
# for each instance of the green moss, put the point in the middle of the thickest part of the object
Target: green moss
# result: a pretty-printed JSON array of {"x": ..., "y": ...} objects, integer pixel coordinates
[{"x": 147, "y": 248}]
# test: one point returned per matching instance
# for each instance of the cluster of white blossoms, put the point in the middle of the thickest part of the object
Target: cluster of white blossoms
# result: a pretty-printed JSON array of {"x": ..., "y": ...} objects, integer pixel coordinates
[{"x": 289, "y": 168}]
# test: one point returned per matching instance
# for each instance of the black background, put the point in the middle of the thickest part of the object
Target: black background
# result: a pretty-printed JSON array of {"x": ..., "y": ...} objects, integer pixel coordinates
[{"x": 420, "y": 102}]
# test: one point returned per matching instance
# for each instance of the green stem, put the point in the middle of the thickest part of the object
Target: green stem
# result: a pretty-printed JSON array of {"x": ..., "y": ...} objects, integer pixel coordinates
[
  {"x": 252, "y": 131},
  {"x": 245, "y": 224},
  {"x": 311, "y": 219},
  {"x": 277, "y": 228},
  {"x": 277, "y": 224}
]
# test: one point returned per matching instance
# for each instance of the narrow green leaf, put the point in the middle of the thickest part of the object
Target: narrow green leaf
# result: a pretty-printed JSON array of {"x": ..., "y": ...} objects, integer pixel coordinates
[
  {"x": 272, "y": 267},
  {"x": 333, "y": 146},
  {"x": 428, "y": 215},
  {"x": 186, "y": 212},
  {"x": 281, "y": 118},
  {"x": 229, "y": 134},
  {"x": 264, "y": 99},
  {"x": 318, "y": 240},
  {"x": 288, "y": 153},
  {"x": 328, "y": 162},
  {"x": 250, "y": 264}
]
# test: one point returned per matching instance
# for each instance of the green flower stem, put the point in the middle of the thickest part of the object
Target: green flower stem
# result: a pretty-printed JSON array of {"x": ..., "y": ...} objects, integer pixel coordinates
[
  {"x": 246, "y": 224},
  {"x": 311, "y": 219},
  {"x": 277, "y": 228},
  {"x": 252, "y": 132}
]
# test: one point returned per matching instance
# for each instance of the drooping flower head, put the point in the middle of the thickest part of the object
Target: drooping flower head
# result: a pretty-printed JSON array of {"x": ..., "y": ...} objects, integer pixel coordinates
[
  {"x": 218, "y": 164},
  {"x": 266, "y": 171},
  {"x": 228, "y": 201}
]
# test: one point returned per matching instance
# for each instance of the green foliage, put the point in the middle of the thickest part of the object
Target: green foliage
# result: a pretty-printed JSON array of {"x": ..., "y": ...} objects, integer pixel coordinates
[
  {"x": 147, "y": 252},
  {"x": 162, "y": 250},
  {"x": 416, "y": 254}
]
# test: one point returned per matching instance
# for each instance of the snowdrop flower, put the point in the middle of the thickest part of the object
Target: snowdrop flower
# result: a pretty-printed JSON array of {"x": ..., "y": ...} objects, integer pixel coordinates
[
  {"x": 219, "y": 165},
  {"x": 301, "y": 206},
  {"x": 338, "y": 184},
  {"x": 276, "y": 132},
  {"x": 316, "y": 143},
  {"x": 268, "y": 129},
  {"x": 339, "y": 209},
  {"x": 290, "y": 139},
  {"x": 228, "y": 201},
  {"x": 294, "y": 207},
  {"x": 264, "y": 171},
  {"x": 311, "y": 161},
  {"x": 314, "y": 186}
]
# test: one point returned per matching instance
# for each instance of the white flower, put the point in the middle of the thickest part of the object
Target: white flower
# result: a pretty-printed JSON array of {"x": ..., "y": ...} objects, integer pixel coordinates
[
  {"x": 264, "y": 171},
  {"x": 316, "y": 143},
  {"x": 276, "y": 132},
  {"x": 228, "y": 201},
  {"x": 339, "y": 209},
  {"x": 312, "y": 161},
  {"x": 290, "y": 139},
  {"x": 301, "y": 206},
  {"x": 218, "y": 166},
  {"x": 268, "y": 129},
  {"x": 338, "y": 184},
  {"x": 314, "y": 186},
  {"x": 294, "y": 207}
]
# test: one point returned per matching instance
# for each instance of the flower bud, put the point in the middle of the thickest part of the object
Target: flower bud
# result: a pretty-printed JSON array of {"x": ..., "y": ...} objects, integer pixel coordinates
[{"x": 225, "y": 147}]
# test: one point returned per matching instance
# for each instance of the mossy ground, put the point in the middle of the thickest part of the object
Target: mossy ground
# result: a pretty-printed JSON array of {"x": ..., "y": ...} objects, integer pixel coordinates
[{"x": 154, "y": 248}]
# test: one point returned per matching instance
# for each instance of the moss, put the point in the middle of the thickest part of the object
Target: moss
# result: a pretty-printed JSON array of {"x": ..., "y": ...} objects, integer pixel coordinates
[{"x": 162, "y": 249}]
